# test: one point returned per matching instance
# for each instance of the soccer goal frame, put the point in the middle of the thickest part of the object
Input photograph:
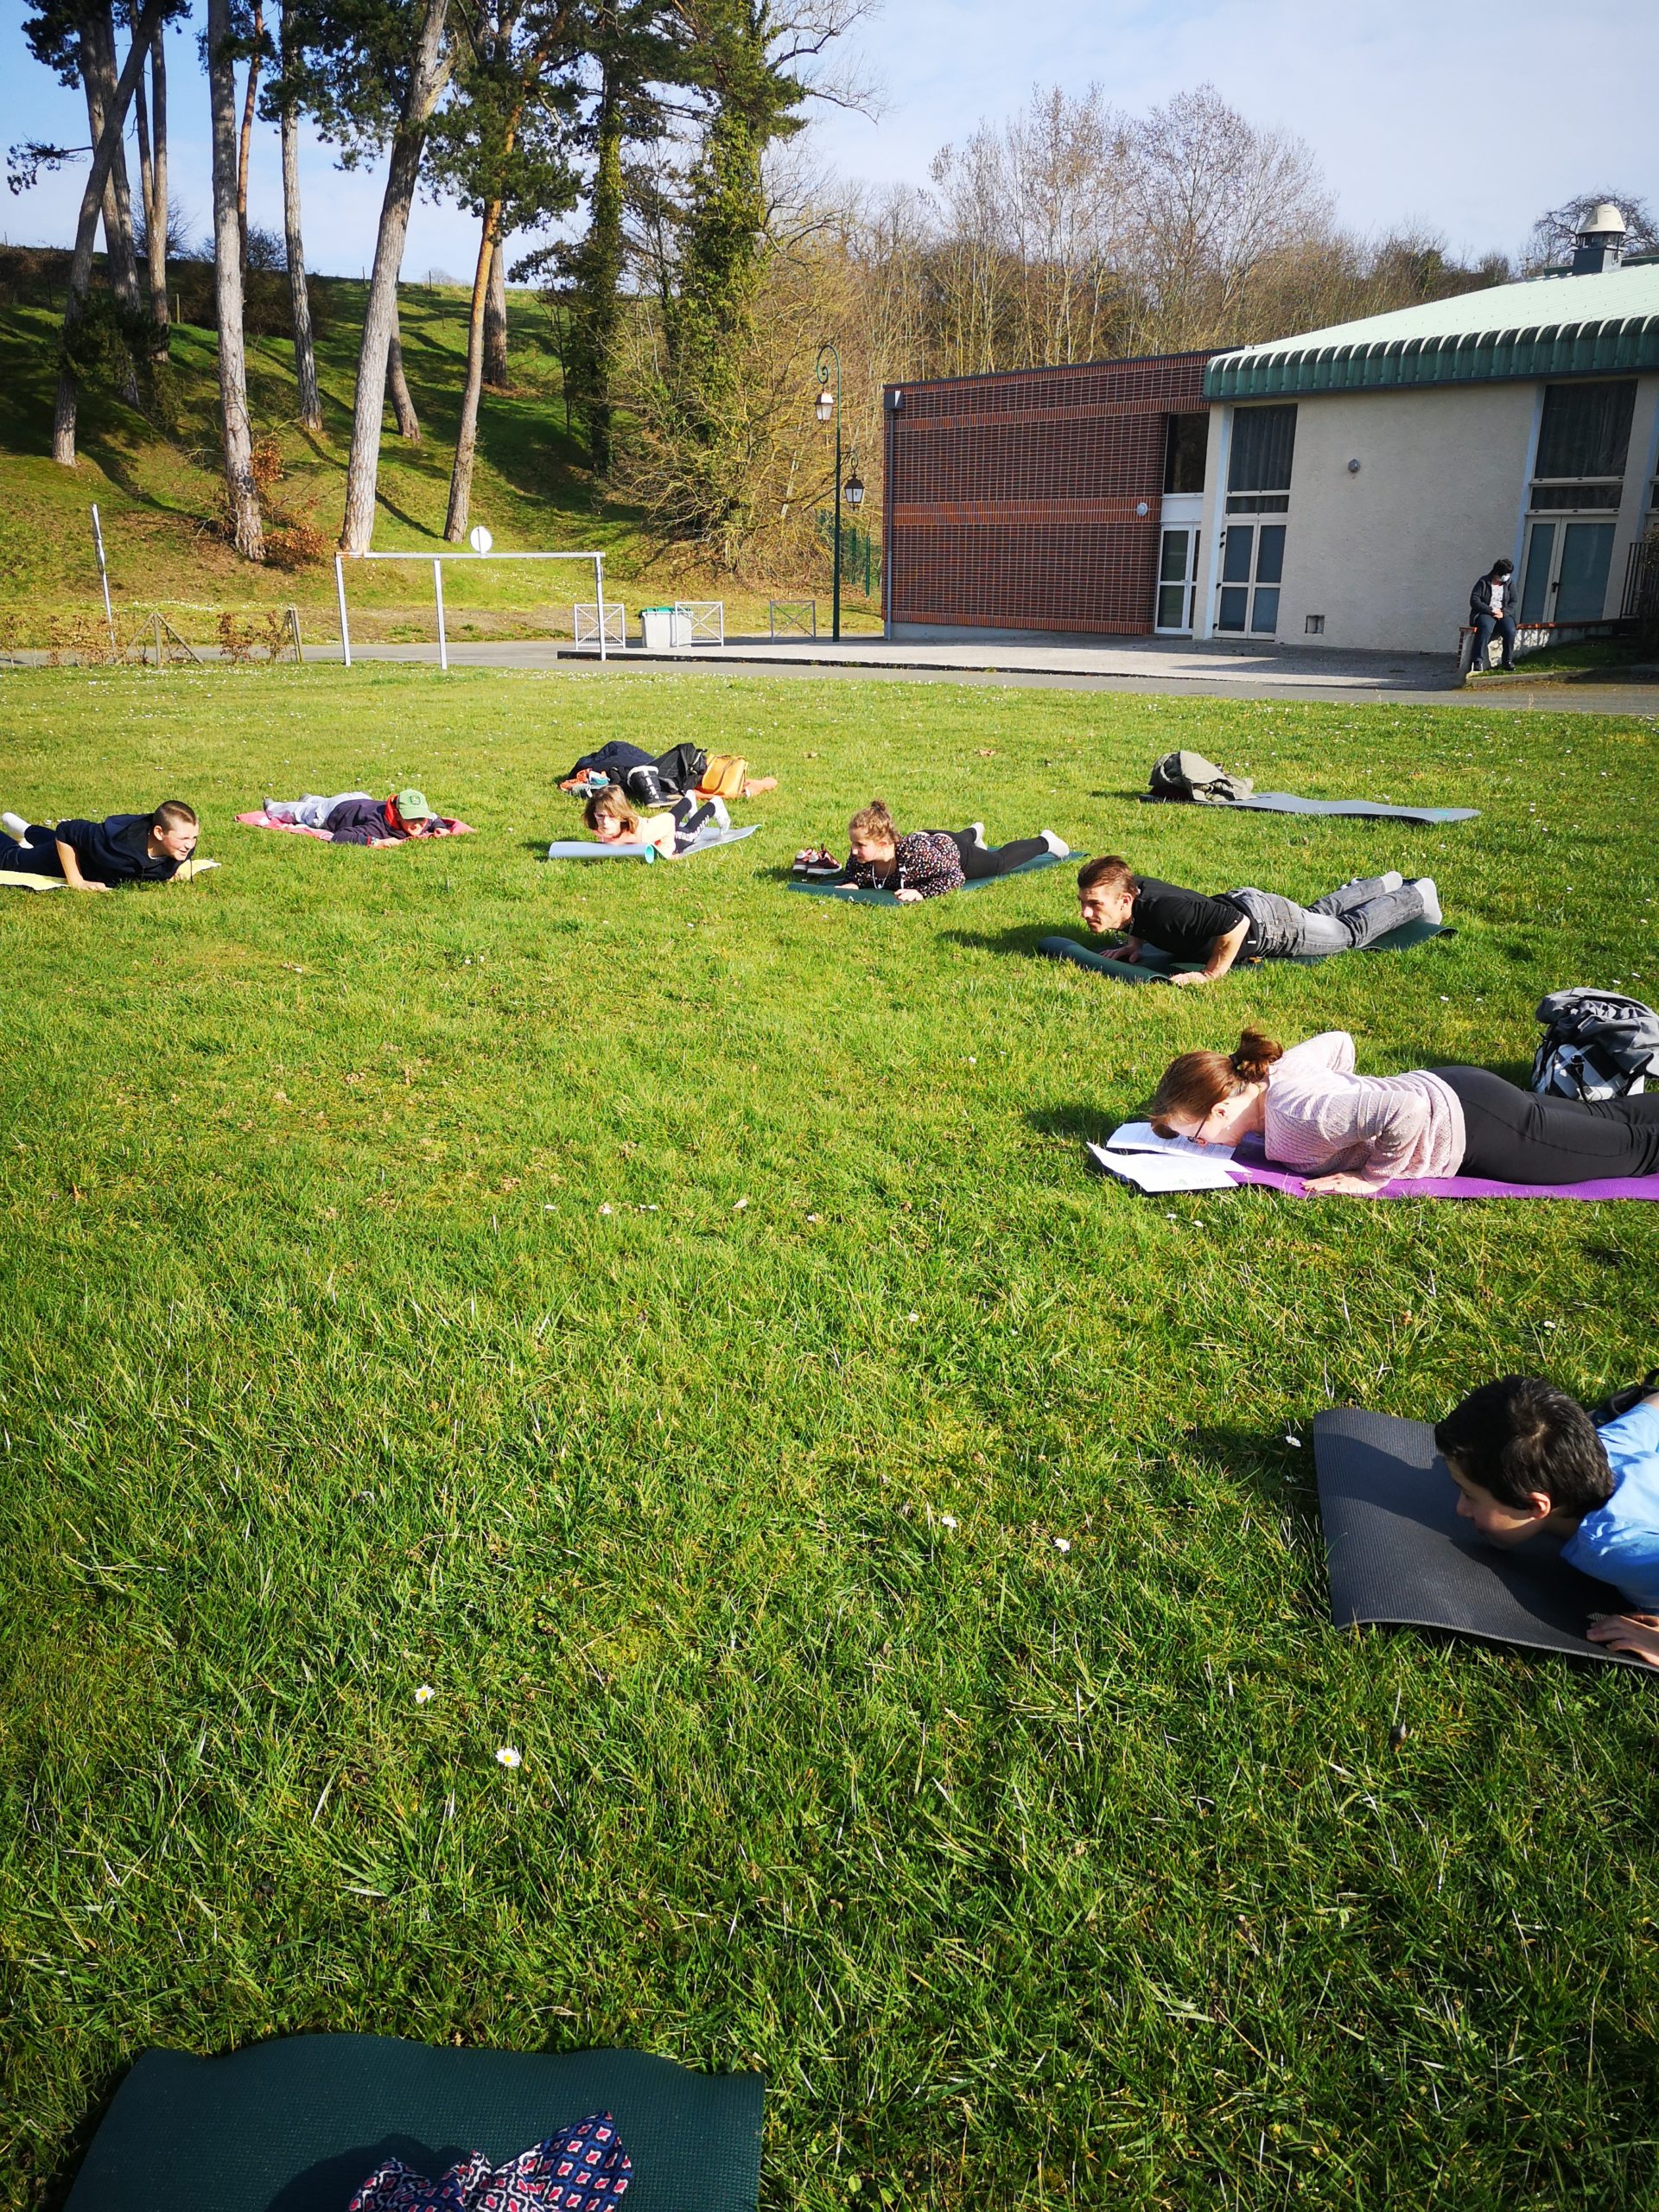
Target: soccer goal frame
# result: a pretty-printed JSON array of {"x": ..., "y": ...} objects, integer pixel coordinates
[{"x": 437, "y": 561}]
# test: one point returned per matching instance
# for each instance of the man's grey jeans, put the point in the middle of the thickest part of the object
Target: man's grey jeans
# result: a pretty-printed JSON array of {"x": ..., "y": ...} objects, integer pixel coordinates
[{"x": 1342, "y": 921}]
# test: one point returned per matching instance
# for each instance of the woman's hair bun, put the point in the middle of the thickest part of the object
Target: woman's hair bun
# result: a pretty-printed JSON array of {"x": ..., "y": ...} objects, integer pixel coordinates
[{"x": 1254, "y": 1055}]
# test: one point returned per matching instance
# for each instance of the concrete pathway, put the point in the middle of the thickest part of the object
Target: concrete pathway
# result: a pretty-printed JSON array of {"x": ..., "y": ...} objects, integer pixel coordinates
[{"x": 1179, "y": 669}]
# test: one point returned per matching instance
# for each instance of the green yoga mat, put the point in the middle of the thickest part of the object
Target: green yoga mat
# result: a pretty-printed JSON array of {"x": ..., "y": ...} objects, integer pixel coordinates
[
  {"x": 1156, "y": 968},
  {"x": 297, "y": 2125},
  {"x": 889, "y": 899}
]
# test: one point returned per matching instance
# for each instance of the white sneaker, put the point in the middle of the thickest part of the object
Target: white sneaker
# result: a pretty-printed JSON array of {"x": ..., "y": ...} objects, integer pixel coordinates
[
  {"x": 1424, "y": 886},
  {"x": 16, "y": 824},
  {"x": 974, "y": 833},
  {"x": 1393, "y": 880},
  {"x": 1057, "y": 846}
]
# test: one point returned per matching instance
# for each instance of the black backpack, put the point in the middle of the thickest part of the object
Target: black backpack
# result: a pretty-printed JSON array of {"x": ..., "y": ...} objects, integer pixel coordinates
[
  {"x": 1597, "y": 1045},
  {"x": 1188, "y": 776}
]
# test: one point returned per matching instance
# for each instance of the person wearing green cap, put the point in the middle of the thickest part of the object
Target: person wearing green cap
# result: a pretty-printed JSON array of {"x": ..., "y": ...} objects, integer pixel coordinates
[{"x": 358, "y": 819}]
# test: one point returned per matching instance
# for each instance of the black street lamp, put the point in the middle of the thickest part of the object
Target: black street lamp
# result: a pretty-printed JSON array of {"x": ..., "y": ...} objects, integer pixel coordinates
[{"x": 827, "y": 405}]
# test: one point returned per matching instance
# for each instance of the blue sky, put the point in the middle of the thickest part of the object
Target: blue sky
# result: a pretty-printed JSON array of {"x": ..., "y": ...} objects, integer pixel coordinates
[{"x": 1416, "y": 111}]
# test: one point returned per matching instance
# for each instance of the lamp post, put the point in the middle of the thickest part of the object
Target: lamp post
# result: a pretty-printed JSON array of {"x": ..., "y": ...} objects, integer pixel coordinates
[{"x": 828, "y": 404}]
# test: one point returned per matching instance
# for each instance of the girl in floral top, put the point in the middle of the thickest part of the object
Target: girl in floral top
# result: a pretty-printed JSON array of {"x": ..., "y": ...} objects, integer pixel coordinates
[
  {"x": 928, "y": 862},
  {"x": 1351, "y": 1135}
]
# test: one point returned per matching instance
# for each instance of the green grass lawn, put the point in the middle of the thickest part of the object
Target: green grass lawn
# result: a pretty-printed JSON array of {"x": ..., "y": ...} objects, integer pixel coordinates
[{"x": 671, "y": 1319}]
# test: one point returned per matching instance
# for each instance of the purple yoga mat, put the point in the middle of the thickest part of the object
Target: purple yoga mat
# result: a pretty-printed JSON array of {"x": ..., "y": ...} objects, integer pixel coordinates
[{"x": 1248, "y": 1165}]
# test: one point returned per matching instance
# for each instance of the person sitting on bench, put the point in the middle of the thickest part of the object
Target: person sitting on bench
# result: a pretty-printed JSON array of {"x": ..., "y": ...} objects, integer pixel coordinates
[
  {"x": 1529, "y": 1461},
  {"x": 1242, "y": 924},
  {"x": 357, "y": 819},
  {"x": 1350, "y": 1134},
  {"x": 615, "y": 820},
  {"x": 1492, "y": 609},
  {"x": 930, "y": 862},
  {"x": 97, "y": 855}
]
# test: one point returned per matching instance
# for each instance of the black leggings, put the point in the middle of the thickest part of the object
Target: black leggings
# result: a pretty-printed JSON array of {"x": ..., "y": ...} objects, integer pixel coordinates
[
  {"x": 36, "y": 855},
  {"x": 1516, "y": 1136},
  {"x": 981, "y": 861}
]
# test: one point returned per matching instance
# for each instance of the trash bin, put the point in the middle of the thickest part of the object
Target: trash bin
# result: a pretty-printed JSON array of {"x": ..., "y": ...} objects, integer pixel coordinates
[{"x": 656, "y": 629}]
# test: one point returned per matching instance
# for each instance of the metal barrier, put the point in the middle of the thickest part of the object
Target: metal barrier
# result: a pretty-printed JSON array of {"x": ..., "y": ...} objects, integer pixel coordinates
[
  {"x": 592, "y": 625},
  {"x": 699, "y": 621},
  {"x": 785, "y": 616}
]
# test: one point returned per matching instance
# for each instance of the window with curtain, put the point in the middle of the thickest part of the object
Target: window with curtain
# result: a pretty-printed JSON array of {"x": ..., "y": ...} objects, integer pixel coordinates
[
  {"x": 1259, "y": 462},
  {"x": 1585, "y": 431}
]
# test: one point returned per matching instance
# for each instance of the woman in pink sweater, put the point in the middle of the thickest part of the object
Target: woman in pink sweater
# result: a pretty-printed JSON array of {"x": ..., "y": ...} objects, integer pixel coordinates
[{"x": 1349, "y": 1135}]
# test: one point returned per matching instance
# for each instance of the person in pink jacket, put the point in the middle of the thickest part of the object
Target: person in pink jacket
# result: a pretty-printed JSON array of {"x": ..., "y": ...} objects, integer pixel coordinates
[{"x": 1349, "y": 1135}]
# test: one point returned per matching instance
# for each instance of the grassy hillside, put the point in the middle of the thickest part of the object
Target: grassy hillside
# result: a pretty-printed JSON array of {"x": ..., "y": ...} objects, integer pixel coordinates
[{"x": 156, "y": 480}]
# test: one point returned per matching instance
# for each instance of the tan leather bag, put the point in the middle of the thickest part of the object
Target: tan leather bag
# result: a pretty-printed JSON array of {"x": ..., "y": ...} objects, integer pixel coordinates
[{"x": 724, "y": 777}]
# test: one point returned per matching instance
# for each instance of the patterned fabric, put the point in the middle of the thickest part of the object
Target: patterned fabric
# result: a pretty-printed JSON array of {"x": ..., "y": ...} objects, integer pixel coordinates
[
  {"x": 583, "y": 2169},
  {"x": 927, "y": 860}
]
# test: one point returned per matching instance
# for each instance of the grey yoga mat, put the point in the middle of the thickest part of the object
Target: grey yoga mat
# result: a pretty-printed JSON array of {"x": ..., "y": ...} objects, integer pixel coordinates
[
  {"x": 298, "y": 2124},
  {"x": 829, "y": 890},
  {"x": 1291, "y": 803},
  {"x": 1398, "y": 1552},
  {"x": 1156, "y": 967},
  {"x": 583, "y": 848}
]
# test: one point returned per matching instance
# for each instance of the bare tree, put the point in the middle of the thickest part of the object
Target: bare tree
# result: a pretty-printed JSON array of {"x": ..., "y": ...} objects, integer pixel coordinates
[
  {"x": 402, "y": 400},
  {"x": 67, "y": 404},
  {"x": 1556, "y": 230},
  {"x": 429, "y": 72},
  {"x": 496, "y": 374},
  {"x": 152, "y": 178},
  {"x": 305, "y": 355},
  {"x": 244, "y": 496},
  {"x": 244, "y": 147}
]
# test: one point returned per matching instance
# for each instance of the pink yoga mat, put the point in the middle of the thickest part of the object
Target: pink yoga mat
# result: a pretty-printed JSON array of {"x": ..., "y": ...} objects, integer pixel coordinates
[
  {"x": 260, "y": 820},
  {"x": 1248, "y": 1165}
]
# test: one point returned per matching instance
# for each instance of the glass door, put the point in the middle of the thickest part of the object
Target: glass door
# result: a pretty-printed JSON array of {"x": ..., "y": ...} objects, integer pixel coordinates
[
  {"x": 1252, "y": 566},
  {"x": 1566, "y": 571},
  {"x": 1178, "y": 567}
]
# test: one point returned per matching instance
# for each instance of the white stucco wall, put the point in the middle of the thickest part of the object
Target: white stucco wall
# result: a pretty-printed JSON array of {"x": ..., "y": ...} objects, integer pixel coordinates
[{"x": 1387, "y": 554}]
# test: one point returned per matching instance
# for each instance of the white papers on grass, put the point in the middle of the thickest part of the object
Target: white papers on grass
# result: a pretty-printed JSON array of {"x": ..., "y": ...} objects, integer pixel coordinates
[
  {"x": 1154, "y": 1171},
  {"x": 1137, "y": 1154},
  {"x": 1140, "y": 1136}
]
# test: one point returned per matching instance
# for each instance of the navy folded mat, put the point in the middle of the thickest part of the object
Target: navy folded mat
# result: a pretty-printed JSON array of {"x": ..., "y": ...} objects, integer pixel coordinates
[
  {"x": 298, "y": 2124},
  {"x": 1398, "y": 1552}
]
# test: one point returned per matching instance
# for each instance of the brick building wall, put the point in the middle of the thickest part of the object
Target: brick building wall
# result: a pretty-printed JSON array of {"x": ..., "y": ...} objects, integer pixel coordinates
[{"x": 1010, "y": 499}]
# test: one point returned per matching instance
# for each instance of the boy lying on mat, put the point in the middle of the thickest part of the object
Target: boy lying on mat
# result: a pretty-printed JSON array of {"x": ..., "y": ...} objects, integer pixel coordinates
[
  {"x": 615, "y": 820},
  {"x": 1529, "y": 1461},
  {"x": 1351, "y": 1135},
  {"x": 1242, "y": 924},
  {"x": 357, "y": 819},
  {"x": 928, "y": 863},
  {"x": 97, "y": 855}
]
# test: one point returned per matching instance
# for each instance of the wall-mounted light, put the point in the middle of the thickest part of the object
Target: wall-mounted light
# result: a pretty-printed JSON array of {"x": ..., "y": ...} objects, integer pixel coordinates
[
  {"x": 1353, "y": 468},
  {"x": 1141, "y": 508}
]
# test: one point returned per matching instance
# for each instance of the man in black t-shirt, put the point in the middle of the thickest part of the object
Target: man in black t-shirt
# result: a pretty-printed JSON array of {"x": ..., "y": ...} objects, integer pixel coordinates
[
  {"x": 97, "y": 855},
  {"x": 1249, "y": 924}
]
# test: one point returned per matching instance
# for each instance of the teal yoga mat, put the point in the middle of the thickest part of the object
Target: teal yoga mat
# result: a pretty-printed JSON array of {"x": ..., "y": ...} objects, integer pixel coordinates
[
  {"x": 583, "y": 848},
  {"x": 888, "y": 898},
  {"x": 296, "y": 2125},
  {"x": 1156, "y": 968}
]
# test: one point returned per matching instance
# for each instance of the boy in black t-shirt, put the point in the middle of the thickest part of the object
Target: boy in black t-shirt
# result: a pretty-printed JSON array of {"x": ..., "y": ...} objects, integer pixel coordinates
[
  {"x": 1247, "y": 924},
  {"x": 97, "y": 855}
]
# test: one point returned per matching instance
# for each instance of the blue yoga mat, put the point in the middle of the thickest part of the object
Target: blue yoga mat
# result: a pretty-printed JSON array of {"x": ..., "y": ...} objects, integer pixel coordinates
[
  {"x": 1288, "y": 802},
  {"x": 829, "y": 890},
  {"x": 585, "y": 849},
  {"x": 1154, "y": 967}
]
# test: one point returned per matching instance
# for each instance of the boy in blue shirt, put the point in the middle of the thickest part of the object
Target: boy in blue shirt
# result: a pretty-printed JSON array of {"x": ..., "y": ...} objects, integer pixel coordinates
[{"x": 1528, "y": 1460}]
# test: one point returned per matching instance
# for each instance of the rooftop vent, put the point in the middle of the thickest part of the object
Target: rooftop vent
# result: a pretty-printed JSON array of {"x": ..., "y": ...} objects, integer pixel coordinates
[{"x": 1600, "y": 244}]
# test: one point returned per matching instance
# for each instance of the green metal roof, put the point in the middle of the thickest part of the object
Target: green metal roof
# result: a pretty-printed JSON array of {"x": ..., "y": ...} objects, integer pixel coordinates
[{"x": 1551, "y": 327}]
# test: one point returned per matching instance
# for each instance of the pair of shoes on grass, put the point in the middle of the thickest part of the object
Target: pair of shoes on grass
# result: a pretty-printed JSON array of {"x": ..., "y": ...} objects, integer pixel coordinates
[{"x": 816, "y": 862}]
